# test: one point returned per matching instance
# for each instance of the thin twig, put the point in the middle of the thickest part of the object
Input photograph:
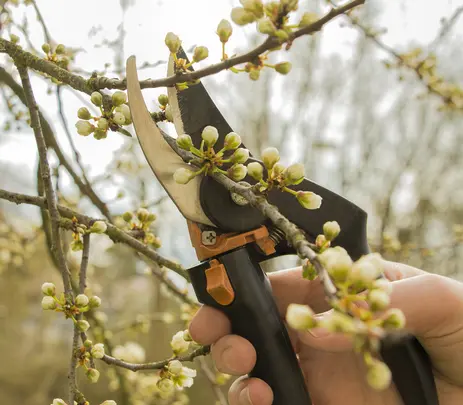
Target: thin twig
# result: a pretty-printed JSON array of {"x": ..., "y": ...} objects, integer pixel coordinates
[
  {"x": 47, "y": 180},
  {"x": 96, "y": 83},
  {"x": 116, "y": 234},
  {"x": 46, "y": 33},
  {"x": 211, "y": 378},
  {"x": 157, "y": 365}
]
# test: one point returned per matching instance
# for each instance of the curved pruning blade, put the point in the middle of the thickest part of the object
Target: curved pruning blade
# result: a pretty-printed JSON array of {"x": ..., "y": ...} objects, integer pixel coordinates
[
  {"x": 193, "y": 109},
  {"x": 160, "y": 156}
]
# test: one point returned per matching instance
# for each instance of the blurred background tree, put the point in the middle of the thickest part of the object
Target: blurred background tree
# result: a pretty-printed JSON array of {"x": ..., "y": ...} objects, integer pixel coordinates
[{"x": 371, "y": 131}]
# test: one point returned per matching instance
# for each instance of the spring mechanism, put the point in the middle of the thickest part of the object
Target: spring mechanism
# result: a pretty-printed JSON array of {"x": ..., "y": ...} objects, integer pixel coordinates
[{"x": 276, "y": 235}]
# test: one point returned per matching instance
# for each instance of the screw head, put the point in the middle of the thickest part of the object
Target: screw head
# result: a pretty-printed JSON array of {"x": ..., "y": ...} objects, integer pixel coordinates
[{"x": 208, "y": 238}]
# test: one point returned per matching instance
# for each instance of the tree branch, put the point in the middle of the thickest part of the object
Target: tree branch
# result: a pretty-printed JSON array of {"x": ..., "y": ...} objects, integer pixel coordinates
[
  {"x": 96, "y": 83},
  {"x": 202, "y": 351},
  {"x": 46, "y": 176},
  {"x": 116, "y": 234}
]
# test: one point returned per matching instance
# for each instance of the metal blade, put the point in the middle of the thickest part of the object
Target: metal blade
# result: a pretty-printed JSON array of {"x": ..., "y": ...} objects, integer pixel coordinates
[
  {"x": 160, "y": 156},
  {"x": 193, "y": 109}
]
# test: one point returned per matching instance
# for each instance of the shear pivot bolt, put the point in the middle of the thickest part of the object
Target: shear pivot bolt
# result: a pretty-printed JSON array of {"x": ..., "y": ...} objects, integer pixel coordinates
[{"x": 208, "y": 238}]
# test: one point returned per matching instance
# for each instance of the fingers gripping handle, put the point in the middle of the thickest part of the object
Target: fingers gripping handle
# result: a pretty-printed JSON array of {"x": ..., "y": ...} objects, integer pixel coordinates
[{"x": 254, "y": 316}]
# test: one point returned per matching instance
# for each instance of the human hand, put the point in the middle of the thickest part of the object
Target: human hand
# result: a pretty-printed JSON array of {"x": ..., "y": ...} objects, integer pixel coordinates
[{"x": 433, "y": 307}]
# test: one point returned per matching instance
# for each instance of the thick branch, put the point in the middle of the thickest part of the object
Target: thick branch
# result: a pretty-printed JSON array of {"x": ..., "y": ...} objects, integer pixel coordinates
[
  {"x": 87, "y": 86},
  {"x": 157, "y": 365},
  {"x": 116, "y": 234},
  {"x": 47, "y": 181}
]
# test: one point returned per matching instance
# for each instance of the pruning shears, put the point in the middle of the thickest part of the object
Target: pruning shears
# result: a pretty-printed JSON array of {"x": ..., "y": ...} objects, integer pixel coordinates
[{"x": 231, "y": 239}]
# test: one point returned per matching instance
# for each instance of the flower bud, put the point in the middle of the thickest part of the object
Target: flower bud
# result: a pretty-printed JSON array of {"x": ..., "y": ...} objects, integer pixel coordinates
[
  {"x": 266, "y": 26},
  {"x": 282, "y": 35},
  {"x": 309, "y": 200},
  {"x": 96, "y": 98},
  {"x": 337, "y": 262},
  {"x": 182, "y": 175},
  {"x": 210, "y": 135},
  {"x": 46, "y": 48},
  {"x": 254, "y": 6},
  {"x": 394, "y": 318},
  {"x": 237, "y": 172},
  {"x": 82, "y": 325},
  {"x": 366, "y": 269},
  {"x": 255, "y": 170},
  {"x": 77, "y": 245},
  {"x": 254, "y": 74},
  {"x": 224, "y": 30},
  {"x": 124, "y": 109},
  {"x": 60, "y": 49},
  {"x": 175, "y": 367},
  {"x": 48, "y": 289},
  {"x": 290, "y": 5},
  {"x": 83, "y": 113},
  {"x": 186, "y": 336},
  {"x": 119, "y": 118},
  {"x": 240, "y": 155},
  {"x": 173, "y": 42},
  {"x": 81, "y": 300},
  {"x": 277, "y": 169},
  {"x": 338, "y": 322},
  {"x": 178, "y": 344},
  {"x": 99, "y": 227},
  {"x": 84, "y": 128},
  {"x": 331, "y": 229},
  {"x": 184, "y": 142},
  {"x": 232, "y": 141},
  {"x": 200, "y": 53},
  {"x": 383, "y": 285},
  {"x": 58, "y": 401},
  {"x": 378, "y": 299},
  {"x": 48, "y": 303},
  {"x": 165, "y": 385},
  {"x": 308, "y": 19},
  {"x": 118, "y": 98},
  {"x": 142, "y": 214},
  {"x": 98, "y": 351},
  {"x": 88, "y": 344},
  {"x": 94, "y": 302},
  {"x": 163, "y": 99},
  {"x": 109, "y": 402},
  {"x": 270, "y": 156},
  {"x": 283, "y": 67},
  {"x": 168, "y": 113},
  {"x": 294, "y": 174},
  {"x": 93, "y": 375},
  {"x": 379, "y": 375},
  {"x": 102, "y": 124},
  {"x": 240, "y": 16},
  {"x": 127, "y": 216},
  {"x": 300, "y": 317},
  {"x": 100, "y": 134}
]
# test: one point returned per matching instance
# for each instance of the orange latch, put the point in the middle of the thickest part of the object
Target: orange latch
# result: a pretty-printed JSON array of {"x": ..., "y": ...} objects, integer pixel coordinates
[
  {"x": 218, "y": 283},
  {"x": 228, "y": 241}
]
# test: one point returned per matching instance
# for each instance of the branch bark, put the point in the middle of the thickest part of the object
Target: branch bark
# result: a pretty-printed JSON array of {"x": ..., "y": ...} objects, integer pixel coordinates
[
  {"x": 52, "y": 204},
  {"x": 97, "y": 83}
]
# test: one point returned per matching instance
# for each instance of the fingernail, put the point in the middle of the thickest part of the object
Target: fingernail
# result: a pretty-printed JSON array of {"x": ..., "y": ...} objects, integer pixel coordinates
[
  {"x": 319, "y": 332},
  {"x": 245, "y": 397},
  {"x": 228, "y": 359}
]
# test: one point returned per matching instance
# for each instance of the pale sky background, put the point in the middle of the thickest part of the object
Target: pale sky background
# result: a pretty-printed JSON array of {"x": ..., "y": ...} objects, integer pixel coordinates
[{"x": 195, "y": 22}]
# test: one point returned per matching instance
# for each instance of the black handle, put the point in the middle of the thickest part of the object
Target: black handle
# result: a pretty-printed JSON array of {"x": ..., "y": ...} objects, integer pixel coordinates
[{"x": 254, "y": 316}]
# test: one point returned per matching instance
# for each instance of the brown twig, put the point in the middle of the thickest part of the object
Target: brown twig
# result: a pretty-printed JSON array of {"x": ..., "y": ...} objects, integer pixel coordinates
[
  {"x": 157, "y": 365},
  {"x": 116, "y": 234},
  {"x": 46, "y": 176},
  {"x": 96, "y": 83}
]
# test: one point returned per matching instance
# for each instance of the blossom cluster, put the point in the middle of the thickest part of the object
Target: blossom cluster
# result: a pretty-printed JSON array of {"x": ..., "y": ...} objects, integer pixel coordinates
[
  {"x": 114, "y": 118},
  {"x": 139, "y": 224},
  {"x": 78, "y": 230},
  {"x": 360, "y": 307}
]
